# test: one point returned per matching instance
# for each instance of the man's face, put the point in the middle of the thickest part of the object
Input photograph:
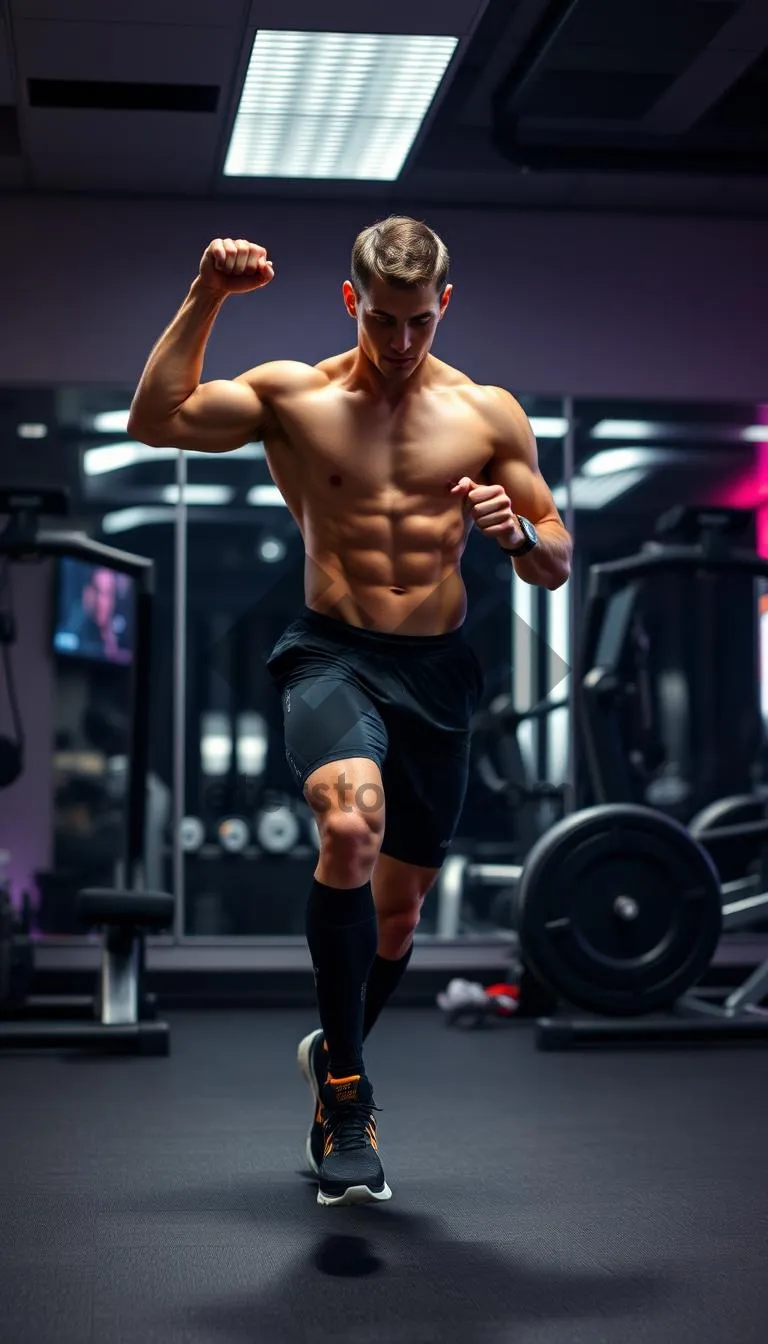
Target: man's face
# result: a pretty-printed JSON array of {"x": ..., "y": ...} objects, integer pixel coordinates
[
  {"x": 396, "y": 327},
  {"x": 104, "y": 596}
]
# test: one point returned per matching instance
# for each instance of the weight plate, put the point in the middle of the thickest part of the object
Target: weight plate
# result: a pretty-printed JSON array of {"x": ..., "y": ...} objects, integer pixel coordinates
[
  {"x": 277, "y": 830},
  {"x": 191, "y": 834},
  {"x": 620, "y": 910},
  {"x": 734, "y": 855},
  {"x": 233, "y": 835},
  {"x": 732, "y": 811}
]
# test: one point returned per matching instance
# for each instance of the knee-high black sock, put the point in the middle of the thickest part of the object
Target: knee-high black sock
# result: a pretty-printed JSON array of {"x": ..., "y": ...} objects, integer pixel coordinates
[
  {"x": 383, "y": 980},
  {"x": 342, "y": 934}
]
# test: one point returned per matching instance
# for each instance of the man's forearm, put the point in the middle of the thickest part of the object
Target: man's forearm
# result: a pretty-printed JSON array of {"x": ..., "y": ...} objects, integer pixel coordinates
[
  {"x": 175, "y": 366},
  {"x": 549, "y": 563}
]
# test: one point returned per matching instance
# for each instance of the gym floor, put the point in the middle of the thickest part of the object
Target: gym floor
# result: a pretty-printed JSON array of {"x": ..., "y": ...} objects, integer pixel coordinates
[{"x": 583, "y": 1198}]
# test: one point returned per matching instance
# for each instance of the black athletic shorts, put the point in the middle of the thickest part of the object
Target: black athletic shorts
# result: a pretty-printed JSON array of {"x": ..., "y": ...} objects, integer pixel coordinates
[{"x": 403, "y": 701}]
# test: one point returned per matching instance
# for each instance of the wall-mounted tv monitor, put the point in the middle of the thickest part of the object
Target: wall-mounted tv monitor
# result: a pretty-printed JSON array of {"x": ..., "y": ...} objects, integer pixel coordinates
[{"x": 95, "y": 612}]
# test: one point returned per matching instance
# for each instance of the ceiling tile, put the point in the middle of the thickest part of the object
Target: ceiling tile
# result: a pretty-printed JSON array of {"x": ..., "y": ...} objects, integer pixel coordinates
[
  {"x": 212, "y": 13},
  {"x": 456, "y": 17},
  {"x": 147, "y": 151},
  {"x": 105, "y": 51}
]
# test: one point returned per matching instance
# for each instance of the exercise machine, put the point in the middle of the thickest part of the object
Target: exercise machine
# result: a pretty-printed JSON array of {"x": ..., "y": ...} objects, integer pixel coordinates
[
  {"x": 120, "y": 1016},
  {"x": 704, "y": 697},
  {"x": 620, "y": 912},
  {"x": 533, "y": 805},
  {"x": 620, "y": 908}
]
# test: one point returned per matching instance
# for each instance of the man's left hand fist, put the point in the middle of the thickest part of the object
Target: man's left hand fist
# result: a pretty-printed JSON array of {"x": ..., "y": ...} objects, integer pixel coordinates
[{"x": 491, "y": 510}]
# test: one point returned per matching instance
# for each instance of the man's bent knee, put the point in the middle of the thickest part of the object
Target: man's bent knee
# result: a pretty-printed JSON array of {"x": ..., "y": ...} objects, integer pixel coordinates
[
  {"x": 349, "y": 846},
  {"x": 347, "y": 799},
  {"x": 396, "y": 931}
]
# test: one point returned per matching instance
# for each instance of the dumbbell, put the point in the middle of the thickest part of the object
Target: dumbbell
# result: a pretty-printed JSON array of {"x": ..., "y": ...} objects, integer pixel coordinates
[
  {"x": 233, "y": 834},
  {"x": 458, "y": 875},
  {"x": 191, "y": 835},
  {"x": 277, "y": 827}
]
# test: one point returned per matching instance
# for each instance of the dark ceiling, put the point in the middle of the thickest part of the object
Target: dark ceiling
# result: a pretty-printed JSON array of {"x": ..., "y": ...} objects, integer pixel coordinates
[{"x": 640, "y": 105}]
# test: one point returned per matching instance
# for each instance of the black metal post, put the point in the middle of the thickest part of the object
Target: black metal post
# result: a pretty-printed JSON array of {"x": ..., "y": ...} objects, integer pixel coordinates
[{"x": 138, "y": 764}]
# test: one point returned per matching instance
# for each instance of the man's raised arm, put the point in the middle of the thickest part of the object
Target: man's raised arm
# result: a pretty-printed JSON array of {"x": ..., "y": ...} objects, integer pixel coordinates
[{"x": 171, "y": 407}]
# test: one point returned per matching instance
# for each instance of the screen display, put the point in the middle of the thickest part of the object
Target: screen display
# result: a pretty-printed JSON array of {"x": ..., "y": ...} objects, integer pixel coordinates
[{"x": 95, "y": 612}]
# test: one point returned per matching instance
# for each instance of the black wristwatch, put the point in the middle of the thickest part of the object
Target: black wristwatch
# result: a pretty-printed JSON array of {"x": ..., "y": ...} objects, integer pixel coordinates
[{"x": 530, "y": 538}]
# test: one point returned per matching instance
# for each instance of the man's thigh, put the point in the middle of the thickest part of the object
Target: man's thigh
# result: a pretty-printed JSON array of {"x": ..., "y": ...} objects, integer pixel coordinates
[
  {"x": 326, "y": 719},
  {"x": 425, "y": 779}
]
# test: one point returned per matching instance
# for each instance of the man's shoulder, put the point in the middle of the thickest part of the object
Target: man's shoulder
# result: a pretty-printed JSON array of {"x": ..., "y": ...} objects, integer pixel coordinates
[
  {"x": 285, "y": 376},
  {"x": 483, "y": 394},
  {"x": 504, "y": 418},
  {"x": 495, "y": 402}
]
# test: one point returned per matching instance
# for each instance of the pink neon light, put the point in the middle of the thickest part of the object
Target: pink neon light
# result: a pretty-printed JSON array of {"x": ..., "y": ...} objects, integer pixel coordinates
[{"x": 750, "y": 489}]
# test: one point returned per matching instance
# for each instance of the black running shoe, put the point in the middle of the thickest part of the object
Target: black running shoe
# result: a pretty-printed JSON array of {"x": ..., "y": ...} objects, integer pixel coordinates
[
  {"x": 313, "y": 1062},
  {"x": 350, "y": 1172}
]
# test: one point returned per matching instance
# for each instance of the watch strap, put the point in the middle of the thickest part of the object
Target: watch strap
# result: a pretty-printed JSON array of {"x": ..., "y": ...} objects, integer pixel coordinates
[{"x": 526, "y": 545}]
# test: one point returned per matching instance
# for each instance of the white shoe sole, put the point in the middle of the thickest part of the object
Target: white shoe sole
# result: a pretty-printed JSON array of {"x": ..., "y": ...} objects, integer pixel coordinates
[
  {"x": 356, "y": 1194},
  {"x": 305, "y": 1048}
]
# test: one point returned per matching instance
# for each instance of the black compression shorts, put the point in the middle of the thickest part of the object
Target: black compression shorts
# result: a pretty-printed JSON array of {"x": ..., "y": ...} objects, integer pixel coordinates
[{"x": 403, "y": 701}]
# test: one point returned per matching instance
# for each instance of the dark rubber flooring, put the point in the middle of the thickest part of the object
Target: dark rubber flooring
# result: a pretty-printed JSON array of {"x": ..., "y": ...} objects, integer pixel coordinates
[{"x": 587, "y": 1198}]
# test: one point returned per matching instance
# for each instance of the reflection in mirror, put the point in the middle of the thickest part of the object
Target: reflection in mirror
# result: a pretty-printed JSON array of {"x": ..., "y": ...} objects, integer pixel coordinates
[
  {"x": 93, "y": 642},
  {"x": 669, "y": 671},
  {"x": 73, "y": 652},
  {"x": 250, "y": 845},
  {"x": 67, "y": 631},
  {"x": 519, "y": 762}
]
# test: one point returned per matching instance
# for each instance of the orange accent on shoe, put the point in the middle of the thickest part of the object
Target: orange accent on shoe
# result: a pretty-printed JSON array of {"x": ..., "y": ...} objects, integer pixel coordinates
[{"x": 354, "y": 1079}]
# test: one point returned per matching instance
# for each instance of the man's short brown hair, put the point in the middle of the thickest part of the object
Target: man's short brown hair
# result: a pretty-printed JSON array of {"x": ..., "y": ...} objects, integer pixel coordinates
[{"x": 401, "y": 251}]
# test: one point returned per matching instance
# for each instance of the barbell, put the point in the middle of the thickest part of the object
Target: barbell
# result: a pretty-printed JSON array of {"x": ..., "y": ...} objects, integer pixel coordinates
[{"x": 619, "y": 909}]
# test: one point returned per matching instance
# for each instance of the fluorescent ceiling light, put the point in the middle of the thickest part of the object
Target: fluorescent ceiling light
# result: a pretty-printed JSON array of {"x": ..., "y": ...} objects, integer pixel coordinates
[
  {"x": 626, "y": 459},
  {"x": 334, "y": 105},
  {"x": 110, "y": 422},
  {"x": 264, "y": 494},
  {"x": 216, "y": 744},
  {"x": 595, "y": 493},
  {"x": 617, "y": 459},
  {"x": 126, "y": 520},
  {"x": 610, "y": 460},
  {"x": 549, "y": 426},
  {"x": 198, "y": 494},
  {"x": 117, "y": 456},
  {"x": 678, "y": 431},
  {"x": 628, "y": 429},
  {"x": 32, "y": 431}
]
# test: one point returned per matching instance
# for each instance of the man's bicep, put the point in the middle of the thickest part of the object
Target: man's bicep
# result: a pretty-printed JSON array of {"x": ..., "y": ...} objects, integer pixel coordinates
[
  {"x": 224, "y": 414},
  {"x": 218, "y": 416},
  {"x": 526, "y": 487},
  {"x": 515, "y": 461}
]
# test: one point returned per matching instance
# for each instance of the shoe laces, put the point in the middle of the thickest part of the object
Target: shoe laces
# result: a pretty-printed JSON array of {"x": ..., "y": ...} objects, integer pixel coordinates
[{"x": 348, "y": 1125}]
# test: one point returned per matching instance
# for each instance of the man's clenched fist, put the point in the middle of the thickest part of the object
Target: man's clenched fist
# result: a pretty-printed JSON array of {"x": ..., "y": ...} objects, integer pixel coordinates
[{"x": 235, "y": 266}]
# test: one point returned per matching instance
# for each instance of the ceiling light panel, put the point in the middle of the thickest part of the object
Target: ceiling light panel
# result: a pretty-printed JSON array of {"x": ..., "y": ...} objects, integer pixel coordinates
[{"x": 334, "y": 105}]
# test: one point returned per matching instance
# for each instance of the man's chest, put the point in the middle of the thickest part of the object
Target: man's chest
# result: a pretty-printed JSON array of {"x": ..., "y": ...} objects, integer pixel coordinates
[{"x": 352, "y": 446}]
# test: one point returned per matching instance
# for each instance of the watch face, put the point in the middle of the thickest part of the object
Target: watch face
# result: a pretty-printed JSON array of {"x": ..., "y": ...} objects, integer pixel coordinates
[{"x": 528, "y": 529}]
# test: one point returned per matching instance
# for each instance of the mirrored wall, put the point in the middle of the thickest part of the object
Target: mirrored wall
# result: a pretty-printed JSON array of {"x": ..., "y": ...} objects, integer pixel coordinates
[{"x": 226, "y": 830}]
